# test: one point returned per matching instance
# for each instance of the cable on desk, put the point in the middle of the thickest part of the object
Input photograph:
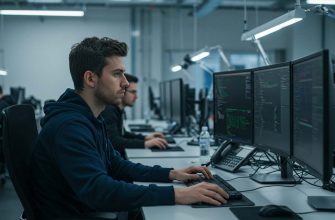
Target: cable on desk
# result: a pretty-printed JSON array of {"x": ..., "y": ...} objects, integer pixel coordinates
[
  {"x": 240, "y": 177},
  {"x": 267, "y": 186},
  {"x": 305, "y": 213}
]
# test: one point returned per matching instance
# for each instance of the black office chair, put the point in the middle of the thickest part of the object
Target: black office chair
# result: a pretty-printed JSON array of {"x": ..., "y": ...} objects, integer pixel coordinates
[{"x": 19, "y": 134}]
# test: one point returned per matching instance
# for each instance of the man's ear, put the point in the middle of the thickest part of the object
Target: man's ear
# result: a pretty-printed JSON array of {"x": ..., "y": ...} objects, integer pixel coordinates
[{"x": 90, "y": 79}]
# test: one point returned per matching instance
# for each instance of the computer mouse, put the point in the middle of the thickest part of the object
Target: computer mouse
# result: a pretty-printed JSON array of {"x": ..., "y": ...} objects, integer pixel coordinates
[{"x": 275, "y": 211}]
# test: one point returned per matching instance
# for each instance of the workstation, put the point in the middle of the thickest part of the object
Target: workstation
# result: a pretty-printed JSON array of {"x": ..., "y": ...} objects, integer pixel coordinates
[{"x": 241, "y": 90}]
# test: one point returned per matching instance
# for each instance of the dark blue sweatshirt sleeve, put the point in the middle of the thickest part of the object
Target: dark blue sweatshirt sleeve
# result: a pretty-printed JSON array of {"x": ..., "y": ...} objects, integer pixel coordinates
[
  {"x": 84, "y": 169},
  {"x": 129, "y": 171}
]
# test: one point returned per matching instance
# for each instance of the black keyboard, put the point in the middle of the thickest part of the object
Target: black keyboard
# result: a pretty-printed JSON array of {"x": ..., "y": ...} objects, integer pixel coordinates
[
  {"x": 232, "y": 192},
  {"x": 168, "y": 148}
]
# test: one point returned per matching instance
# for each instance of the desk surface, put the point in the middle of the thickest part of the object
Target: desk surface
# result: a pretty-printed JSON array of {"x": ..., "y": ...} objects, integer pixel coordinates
[
  {"x": 293, "y": 197},
  {"x": 189, "y": 151}
]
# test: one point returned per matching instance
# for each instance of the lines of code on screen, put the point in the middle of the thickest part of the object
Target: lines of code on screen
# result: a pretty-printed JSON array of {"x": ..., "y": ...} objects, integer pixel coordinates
[
  {"x": 272, "y": 108},
  {"x": 233, "y": 106}
]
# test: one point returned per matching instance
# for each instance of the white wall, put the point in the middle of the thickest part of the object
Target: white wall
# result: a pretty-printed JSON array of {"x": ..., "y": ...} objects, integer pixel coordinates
[{"x": 36, "y": 51}]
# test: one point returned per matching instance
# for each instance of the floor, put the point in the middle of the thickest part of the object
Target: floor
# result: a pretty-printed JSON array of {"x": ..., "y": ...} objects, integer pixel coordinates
[{"x": 10, "y": 206}]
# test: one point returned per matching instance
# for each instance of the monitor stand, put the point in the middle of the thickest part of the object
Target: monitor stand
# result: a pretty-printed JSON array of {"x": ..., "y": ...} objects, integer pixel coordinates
[{"x": 285, "y": 176}]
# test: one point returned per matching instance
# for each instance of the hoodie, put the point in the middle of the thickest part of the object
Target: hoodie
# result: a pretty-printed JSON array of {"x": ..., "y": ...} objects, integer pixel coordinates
[{"x": 75, "y": 169}]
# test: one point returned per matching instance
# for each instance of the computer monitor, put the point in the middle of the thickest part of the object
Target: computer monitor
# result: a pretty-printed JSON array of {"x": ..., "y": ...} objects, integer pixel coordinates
[
  {"x": 165, "y": 100},
  {"x": 152, "y": 102},
  {"x": 18, "y": 94},
  {"x": 168, "y": 104},
  {"x": 272, "y": 118},
  {"x": 233, "y": 107},
  {"x": 314, "y": 115},
  {"x": 189, "y": 100},
  {"x": 161, "y": 99},
  {"x": 177, "y": 102},
  {"x": 203, "y": 107}
]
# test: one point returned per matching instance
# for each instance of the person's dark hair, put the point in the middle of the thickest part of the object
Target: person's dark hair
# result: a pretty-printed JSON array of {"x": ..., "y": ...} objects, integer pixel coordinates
[
  {"x": 91, "y": 54},
  {"x": 131, "y": 78}
]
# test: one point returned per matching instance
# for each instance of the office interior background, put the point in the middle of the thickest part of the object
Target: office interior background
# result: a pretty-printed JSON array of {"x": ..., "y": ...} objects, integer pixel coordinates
[
  {"x": 160, "y": 33},
  {"x": 34, "y": 49}
]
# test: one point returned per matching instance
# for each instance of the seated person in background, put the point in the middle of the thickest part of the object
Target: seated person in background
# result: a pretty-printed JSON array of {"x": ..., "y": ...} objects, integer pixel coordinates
[
  {"x": 120, "y": 138},
  {"x": 74, "y": 168}
]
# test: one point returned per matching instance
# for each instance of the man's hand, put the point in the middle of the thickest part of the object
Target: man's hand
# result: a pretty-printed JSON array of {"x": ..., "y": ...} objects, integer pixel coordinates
[
  {"x": 190, "y": 173},
  {"x": 202, "y": 192},
  {"x": 154, "y": 135},
  {"x": 156, "y": 142}
]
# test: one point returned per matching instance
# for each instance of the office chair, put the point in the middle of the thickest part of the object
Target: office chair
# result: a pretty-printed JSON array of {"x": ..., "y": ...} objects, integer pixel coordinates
[{"x": 19, "y": 134}]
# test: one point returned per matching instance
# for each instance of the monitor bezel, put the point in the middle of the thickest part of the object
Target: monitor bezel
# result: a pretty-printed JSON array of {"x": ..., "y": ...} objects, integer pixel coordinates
[
  {"x": 265, "y": 147},
  {"x": 220, "y": 138},
  {"x": 327, "y": 151}
]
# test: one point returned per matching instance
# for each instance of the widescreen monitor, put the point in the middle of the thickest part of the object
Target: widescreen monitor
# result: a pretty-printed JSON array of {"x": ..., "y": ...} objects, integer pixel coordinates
[
  {"x": 233, "y": 106},
  {"x": 177, "y": 101},
  {"x": 314, "y": 115},
  {"x": 167, "y": 100},
  {"x": 162, "y": 99},
  {"x": 272, "y": 118}
]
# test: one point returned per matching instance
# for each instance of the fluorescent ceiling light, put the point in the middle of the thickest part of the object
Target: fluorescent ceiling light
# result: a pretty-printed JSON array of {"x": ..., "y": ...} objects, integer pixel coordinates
[
  {"x": 45, "y": 1},
  {"x": 321, "y": 2},
  {"x": 176, "y": 68},
  {"x": 274, "y": 25},
  {"x": 3, "y": 72},
  {"x": 42, "y": 13},
  {"x": 200, "y": 56}
]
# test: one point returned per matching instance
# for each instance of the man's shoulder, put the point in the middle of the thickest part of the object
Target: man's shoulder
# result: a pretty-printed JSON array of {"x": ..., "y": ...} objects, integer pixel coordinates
[{"x": 66, "y": 118}]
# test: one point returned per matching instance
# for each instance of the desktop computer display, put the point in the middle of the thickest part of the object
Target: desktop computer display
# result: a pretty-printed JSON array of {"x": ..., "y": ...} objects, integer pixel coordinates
[
  {"x": 272, "y": 108},
  {"x": 167, "y": 100},
  {"x": 314, "y": 114},
  {"x": 162, "y": 99},
  {"x": 272, "y": 118},
  {"x": 233, "y": 104},
  {"x": 177, "y": 101}
]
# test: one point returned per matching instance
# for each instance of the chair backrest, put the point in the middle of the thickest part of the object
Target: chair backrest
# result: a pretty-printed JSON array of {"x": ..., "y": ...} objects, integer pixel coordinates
[{"x": 20, "y": 133}]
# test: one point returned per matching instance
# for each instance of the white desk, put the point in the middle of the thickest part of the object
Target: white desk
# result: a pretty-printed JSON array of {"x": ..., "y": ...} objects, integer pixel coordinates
[
  {"x": 189, "y": 151},
  {"x": 159, "y": 125},
  {"x": 293, "y": 197}
]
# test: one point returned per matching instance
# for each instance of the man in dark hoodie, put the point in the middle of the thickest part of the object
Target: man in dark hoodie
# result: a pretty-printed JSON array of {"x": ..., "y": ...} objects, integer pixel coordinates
[
  {"x": 75, "y": 169},
  {"x": 114, "y": 115}
]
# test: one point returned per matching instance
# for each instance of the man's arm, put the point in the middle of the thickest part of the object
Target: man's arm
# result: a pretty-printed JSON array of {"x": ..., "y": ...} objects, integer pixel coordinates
[
  {"x": 82, "y": 164},
  {"x": 203, "y": 192}
]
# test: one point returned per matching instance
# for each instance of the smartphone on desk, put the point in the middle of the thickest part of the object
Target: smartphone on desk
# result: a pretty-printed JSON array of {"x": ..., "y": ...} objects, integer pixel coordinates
[{"x": 230, "y": 156}]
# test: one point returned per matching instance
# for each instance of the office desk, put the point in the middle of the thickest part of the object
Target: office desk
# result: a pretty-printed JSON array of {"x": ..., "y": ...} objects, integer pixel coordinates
[
  {"x": 293, "y": 197},
  {"x": 159, "y": 125},
  {"x": 189, "y": 151}
]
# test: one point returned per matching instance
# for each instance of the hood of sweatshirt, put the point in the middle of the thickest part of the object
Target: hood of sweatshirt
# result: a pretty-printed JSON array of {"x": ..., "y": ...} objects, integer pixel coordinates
[{"x": 69, "y": 101}]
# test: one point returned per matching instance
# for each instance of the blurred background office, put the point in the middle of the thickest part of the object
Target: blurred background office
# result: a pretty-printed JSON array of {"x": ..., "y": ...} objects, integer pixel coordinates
[
  {"x": 34, "y": 49},
  {"x": 163, "y": 37}
]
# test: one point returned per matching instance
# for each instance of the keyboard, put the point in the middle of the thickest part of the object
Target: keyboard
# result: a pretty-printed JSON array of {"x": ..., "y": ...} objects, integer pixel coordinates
[
  {"x": 141, "y": 128},
  {"x": 232, "y": 192},
  {"x": 168, "y": 148}
]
